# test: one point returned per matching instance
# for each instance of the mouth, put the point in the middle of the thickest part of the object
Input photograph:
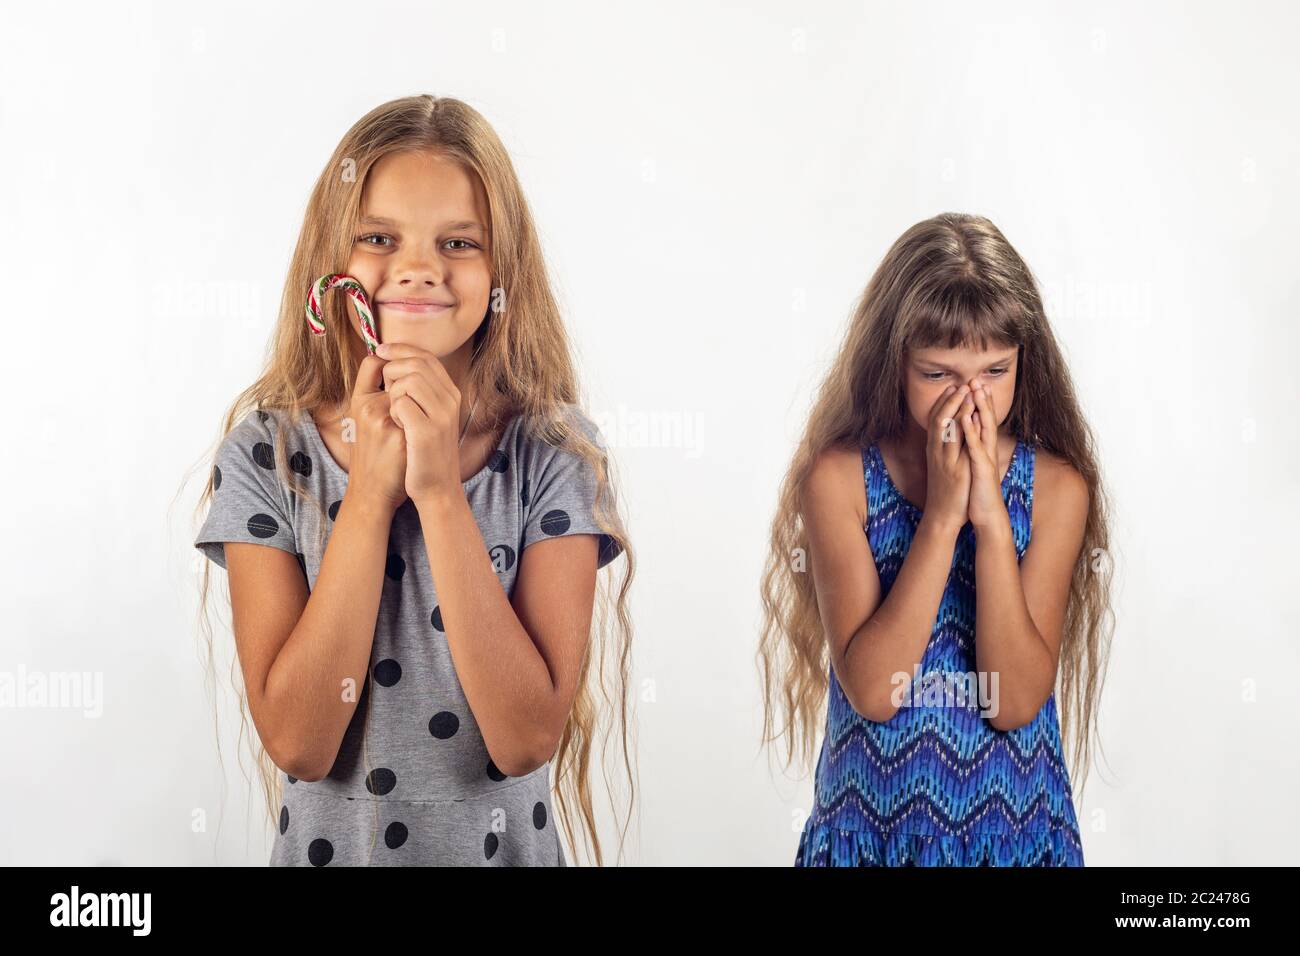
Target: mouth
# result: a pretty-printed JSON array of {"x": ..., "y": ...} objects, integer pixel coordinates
[{"x": 415, "y": 306}]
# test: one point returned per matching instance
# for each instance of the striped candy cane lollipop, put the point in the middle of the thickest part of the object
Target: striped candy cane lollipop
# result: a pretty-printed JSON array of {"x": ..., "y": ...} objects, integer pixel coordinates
[{"x": 316, "y": 319}]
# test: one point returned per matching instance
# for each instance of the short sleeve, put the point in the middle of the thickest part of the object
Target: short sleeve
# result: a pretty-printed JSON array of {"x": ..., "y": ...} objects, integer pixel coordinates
[
  {"x": 247, "y": 503},
  {"x": 561, "y": 499}
]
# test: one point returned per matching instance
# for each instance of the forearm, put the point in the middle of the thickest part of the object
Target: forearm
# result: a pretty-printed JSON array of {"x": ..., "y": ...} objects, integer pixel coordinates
[
  {"x": 505, "y": 678},
  {"x": 315, "y": 682},
  {"x": 893, "y": 639},
  {"x": 1008, "y": 647}
]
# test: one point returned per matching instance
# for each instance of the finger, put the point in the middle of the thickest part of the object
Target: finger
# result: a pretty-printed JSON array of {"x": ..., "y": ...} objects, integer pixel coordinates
[
  {"x": 434, "y": 404},
  {"x": 430, "y": 368},
  {"x": 369, "y": 375},
  {"x": 406, "y": 352},
  {"x": 947, "y": 407},
  {"x": 957, "y": 430},
  {"x": 938, "y": 404},
  {"x": 407, "y": 413},
  {"x": 970, "y": 417},
  {"x": 988, "y": 420},
  {"x": 942, "y": 411},
  {"x": 970, "y": 428}
]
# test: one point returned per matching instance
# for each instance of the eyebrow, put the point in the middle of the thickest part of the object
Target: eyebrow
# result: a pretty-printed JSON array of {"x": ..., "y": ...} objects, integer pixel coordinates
[
  {"x": 391, "y": 223},
  {"x": 1002, "y": 361}
]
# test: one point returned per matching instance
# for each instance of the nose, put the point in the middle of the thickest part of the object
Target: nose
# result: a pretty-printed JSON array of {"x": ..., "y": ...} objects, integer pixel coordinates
[{"x": 418, "y": 269}]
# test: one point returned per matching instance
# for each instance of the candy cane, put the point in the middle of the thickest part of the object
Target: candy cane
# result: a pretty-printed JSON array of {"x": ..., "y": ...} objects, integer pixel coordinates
[{"x": 316, "y": 319}]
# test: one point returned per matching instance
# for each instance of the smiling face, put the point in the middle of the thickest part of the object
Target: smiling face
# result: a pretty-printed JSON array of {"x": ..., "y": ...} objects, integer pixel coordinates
[
  {"x": 421, "y": 252},
  {"x": 928, "y": 371}
]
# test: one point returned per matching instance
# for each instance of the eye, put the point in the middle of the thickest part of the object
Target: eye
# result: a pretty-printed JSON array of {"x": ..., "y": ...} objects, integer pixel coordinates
[
  {"x": 469, "y": 244},
  {"x": 933, "y": 376},
  {"x": 374, "y": 235},
  {"x": 997, "y": 371}
]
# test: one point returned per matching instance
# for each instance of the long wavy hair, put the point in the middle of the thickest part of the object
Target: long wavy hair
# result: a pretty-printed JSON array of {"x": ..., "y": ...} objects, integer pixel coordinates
[
  {"x": 521, "y": 365},
  {"x": 950, "y": 281}
]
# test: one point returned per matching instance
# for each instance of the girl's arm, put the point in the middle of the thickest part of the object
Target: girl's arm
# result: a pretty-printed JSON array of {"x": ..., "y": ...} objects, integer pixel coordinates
[
  {"x": 871, "y": 642},
  {"x": 1020, "y": 606},
  {"x": 519, "y": 670},
  {"x": 518, "y": 664},
  {"x": 305, "y": 658}
]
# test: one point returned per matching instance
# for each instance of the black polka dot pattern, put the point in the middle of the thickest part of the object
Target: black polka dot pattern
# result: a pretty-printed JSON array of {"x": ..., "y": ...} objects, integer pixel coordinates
[
  {"x": 216, "y": 477},
  {"x": 444, "y": 725},
  {"x": 334, "y": 510},
  {"x": 539, "y": 815},
  {"x": 301, "y": 464},
  {"x": 395, "y": 835},
  {"x": 499, "y": 462},
  {"x": 493, "y": 773},
  {"x": 263, "y": 526},
  {"x": 388, "y": 672},
  {"x": 395, "y": 567},
  {"x": 320, "y": 852},
  {"x": 264, "y": 455},
  {"x": 284, "y": 819},
  {"x": 490, "y": 846},
  {"x": 381, "y": 781},
  {"x": 555, "y": 522},
  {"x": 436, "y": 619}
]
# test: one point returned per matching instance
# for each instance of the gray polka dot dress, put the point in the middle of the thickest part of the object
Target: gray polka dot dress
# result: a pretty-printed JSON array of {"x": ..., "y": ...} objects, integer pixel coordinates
[{"x": 427, "y": 793}]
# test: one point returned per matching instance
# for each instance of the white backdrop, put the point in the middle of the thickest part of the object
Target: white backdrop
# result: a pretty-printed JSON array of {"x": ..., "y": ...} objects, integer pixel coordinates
[{"x": 714, "y": 185}]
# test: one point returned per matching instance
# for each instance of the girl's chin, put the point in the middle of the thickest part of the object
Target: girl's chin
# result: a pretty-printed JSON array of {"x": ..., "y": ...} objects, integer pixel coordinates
[{"x": 409, "y": 333}]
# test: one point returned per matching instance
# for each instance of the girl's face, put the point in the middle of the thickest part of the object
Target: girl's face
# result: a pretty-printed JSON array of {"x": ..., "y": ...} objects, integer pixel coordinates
[
  {"x": 421, "y": 252},
  {"x": 928, "y": 371}
]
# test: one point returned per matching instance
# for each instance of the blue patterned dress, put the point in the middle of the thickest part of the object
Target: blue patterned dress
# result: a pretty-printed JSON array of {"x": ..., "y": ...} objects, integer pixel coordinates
[{"x": 937, "y": 784}]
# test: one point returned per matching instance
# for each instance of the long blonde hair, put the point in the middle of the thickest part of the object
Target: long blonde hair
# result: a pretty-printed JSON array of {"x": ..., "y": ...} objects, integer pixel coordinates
[
  {"x": 521, "y": 365},
  {"x": 950, "y": 281}
]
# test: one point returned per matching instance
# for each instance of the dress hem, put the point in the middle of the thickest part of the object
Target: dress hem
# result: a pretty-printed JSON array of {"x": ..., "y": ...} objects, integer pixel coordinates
[{"x": 821, "y": 845}]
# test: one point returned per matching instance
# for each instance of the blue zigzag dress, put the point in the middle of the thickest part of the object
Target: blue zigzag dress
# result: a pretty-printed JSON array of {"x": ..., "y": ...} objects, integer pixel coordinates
[{"x": 937, "y": 784}]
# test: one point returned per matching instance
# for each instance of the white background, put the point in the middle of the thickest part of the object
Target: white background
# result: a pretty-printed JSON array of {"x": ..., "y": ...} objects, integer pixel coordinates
[{"x": 714, "y": 185}]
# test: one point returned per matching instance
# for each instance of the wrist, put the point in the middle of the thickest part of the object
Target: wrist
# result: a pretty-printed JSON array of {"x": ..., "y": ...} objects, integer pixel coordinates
[
  {"x": 370, "y": 508},
  {"x": 996, "y": 527},
  {"x": 945, "y": 528},
  {"x": 439, "y": 504}
]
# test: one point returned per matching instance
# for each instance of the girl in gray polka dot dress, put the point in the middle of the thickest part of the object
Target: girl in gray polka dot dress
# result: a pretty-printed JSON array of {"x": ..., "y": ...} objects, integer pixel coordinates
[{"x": 414, "y": 539}]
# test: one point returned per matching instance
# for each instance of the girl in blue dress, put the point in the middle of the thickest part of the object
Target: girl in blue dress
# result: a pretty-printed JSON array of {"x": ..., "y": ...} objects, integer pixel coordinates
[{"x": 946, "y": 455}]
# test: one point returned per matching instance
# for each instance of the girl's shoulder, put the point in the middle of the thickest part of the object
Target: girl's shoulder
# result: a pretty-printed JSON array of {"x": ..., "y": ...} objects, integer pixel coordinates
[
  {"x": 839, "y": 464},
  {"x": 254, "y": 427},
  {"x": 533, "y": 429},
  {"x": 835, "y": 480},
  {"x": 252, "y": 439},
  {"x": 1059, "y": 490},
  {"x": 1054, "y": 473},
  {"x": 263, "y": 422}
]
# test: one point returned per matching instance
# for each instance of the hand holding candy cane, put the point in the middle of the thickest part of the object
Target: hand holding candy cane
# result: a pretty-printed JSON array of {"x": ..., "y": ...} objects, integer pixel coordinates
[{"x": 316, "y": 318}]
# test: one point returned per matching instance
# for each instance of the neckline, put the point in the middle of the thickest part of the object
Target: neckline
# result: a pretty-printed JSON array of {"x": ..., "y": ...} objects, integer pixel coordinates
[
  {"x": 318, "y": 440},
  {"x": 884, "y": 471}
]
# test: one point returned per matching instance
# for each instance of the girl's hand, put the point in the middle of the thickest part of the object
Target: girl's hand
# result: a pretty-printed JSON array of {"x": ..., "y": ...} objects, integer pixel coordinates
[
  {"x": 425, "y": 403},
  {"x": 377, "y": 461},
  {"x": 948, "y": 475},
  {"x": 979, "y": 423}
]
